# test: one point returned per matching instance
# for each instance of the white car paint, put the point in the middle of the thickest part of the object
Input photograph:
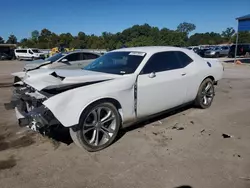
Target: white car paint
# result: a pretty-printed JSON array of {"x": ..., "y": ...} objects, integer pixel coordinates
[
  {"x": 63, "y": 61},
  {"x": 30, "y": 53},
  {"x": 164, "y": 91}
]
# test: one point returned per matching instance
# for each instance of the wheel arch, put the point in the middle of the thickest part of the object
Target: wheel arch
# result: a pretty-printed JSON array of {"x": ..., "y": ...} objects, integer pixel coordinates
[{"x": 113, "y": 101}]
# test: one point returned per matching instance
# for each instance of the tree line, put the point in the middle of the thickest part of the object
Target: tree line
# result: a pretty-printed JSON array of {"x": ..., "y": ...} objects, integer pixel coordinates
[{"x": 137, "y": 35}]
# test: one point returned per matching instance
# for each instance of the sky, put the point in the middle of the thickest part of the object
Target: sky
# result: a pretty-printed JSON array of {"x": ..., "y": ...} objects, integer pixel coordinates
[{"x": 21, "y": 17}]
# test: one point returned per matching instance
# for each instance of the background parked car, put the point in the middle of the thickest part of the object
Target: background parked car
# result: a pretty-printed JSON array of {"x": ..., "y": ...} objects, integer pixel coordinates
[
  {"x": 4, "y": 56},
  {"x": 29, "y": 54},
  {"x": 7, "y": 51},
  {"x": 217, "y": 51},
  {"x": 242, "y": 50},
  {"x": 202, "y": 51},
  {"x": 68, "y": 60}
]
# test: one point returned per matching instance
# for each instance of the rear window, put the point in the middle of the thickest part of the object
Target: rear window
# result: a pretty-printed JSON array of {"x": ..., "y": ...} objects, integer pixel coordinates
[
  {"x": 21, "y": 51},
  {"x": 90, "y": 56}
]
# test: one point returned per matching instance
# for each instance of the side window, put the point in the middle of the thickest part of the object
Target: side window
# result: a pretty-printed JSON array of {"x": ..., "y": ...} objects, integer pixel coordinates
[
  {"x": 73, "y": 57},
  {"x": 30, "y": 52},
  {"x": 183, "y": 58},
  {"x": 90, "y": 56},
  {"x": 162, "y": 61}
]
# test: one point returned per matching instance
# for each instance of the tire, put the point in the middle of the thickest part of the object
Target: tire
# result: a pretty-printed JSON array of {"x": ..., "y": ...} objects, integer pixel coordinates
[
  {"x": 32, "y": 58},
  {"x": 205, "y": 94},
  {"x": 92, "y": 133},
  {"x": 217, "y": 55}
]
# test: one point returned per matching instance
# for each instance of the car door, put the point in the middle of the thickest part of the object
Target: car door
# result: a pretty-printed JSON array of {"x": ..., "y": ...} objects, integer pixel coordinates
[
  {"x": 70, "y": 61},
  {"x": 224, "y": 50},
  {"x": 161, "y": 84}
]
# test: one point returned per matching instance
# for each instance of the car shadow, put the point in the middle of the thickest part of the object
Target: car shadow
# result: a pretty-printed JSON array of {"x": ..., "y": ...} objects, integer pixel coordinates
[
  {"x": 144, "y": 123},
  {"x": 61, "y": 134},
  {"x": 184, "y": 186}
]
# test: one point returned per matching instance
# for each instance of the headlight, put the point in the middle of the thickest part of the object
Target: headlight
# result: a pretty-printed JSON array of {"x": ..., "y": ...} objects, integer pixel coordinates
[{"x": 212, "y": 52}]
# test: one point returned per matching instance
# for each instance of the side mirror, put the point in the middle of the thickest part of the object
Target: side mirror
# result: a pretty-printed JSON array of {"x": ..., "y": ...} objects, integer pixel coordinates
[
  {"x": 64, "y": 61},
  {"x": 152, "y": 75}
]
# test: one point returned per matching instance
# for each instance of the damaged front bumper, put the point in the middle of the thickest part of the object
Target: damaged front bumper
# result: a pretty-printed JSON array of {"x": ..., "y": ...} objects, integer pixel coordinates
[{"x": 30, "y": 111}]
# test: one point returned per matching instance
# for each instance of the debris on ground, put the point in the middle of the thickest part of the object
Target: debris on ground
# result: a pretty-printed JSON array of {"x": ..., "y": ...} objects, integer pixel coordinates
[
  {"x": 192, "y": 122},
  {"x": 180, "y": 128},
  {"x": 160, "y": 122},
  {"x": 177, "y": 128},
  {"x": 202, "y": 130},
  {"x": 226, "y": 135},
  {"x": 237, "y": 155},
  {"x": 155, "y": 133}
]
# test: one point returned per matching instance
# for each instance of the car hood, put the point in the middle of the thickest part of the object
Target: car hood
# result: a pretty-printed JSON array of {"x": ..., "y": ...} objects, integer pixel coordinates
[
  {"x": 47, "y": 79},
  {"x": 35, "y": 64}
]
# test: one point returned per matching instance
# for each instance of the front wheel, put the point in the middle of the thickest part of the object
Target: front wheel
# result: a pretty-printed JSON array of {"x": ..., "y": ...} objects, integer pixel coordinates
[
  {"x": 205, "y": 94},
  {"x": 98, "y": 127}
]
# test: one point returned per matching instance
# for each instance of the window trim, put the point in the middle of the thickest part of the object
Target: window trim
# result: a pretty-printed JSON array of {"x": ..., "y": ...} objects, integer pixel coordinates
[{"x": 182, "y": 66}]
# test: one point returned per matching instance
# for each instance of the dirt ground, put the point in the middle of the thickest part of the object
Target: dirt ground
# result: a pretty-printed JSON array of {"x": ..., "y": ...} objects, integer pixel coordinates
[{"x": 182, "y": 149}]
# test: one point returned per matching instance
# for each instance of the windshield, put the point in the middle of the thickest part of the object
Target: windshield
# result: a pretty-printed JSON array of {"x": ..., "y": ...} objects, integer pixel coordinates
[
  {"x": 117, "y": 62},
  {"x": 36, "y": 51},
  {"x": 54, "y": 57}
]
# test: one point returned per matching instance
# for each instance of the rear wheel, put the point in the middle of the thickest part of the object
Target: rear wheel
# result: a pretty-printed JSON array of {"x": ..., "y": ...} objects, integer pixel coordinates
[
  {"x": 98, "y": 127},
  {"x": 217, "y": 55},
  {"x": 205, "y": 94}
]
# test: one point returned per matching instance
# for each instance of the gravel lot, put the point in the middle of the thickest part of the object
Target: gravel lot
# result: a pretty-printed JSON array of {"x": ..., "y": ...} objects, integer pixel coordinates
[{"x": 182, "y": 149}]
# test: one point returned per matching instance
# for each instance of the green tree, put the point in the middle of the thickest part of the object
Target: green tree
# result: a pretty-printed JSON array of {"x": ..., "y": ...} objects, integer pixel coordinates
[
  {"x": 66, "y": 39},
  {"x": 244, "y": 37},
  {"x": 186, "y": 27},
  {"x": 27, "y": 43},
  {"x": 1, "y": 40},
  {"x": 12, "y": 40},
  {"x": 34, "y": 35},
  {"x": 228, "y": 34}
]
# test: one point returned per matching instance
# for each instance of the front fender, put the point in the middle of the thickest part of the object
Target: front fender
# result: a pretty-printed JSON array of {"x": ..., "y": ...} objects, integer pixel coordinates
[{"x": 68, "y": 106}]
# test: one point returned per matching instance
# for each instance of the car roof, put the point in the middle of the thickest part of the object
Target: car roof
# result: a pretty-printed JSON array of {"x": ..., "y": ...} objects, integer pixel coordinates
[
  {"x": 78, "y": 51},
  {"x": 152, "y": 49}
]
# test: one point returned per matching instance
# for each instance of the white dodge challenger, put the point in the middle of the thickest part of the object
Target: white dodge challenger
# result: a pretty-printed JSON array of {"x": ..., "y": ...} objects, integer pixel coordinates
[{"x": 116, "y": 90}]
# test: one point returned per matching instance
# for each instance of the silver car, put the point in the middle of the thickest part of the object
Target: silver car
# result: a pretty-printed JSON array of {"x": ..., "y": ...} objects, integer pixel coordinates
[
  {"x": 68, "y": 60},
  {"x": 217, "y": 51}
]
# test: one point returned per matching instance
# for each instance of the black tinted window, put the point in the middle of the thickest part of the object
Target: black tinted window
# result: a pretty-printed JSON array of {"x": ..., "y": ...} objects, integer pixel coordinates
[
  {"x": 90, "y": 56},
  {"x": 183, "y": 58},
  {"x": 162, "y": 61},
  {"x": 30, "y": 52},
  {"x": 21, "y": 51},
  {"x": 74, "y": 57}
]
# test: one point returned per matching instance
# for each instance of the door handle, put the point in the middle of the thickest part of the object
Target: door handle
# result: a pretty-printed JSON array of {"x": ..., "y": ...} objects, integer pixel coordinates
[{"x": 184, "y": 74}]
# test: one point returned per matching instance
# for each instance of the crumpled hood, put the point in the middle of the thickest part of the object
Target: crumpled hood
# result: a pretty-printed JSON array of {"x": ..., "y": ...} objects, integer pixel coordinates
[
  {"x": 35, "y": 64},
  {"x": 55, "y": 78}
]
